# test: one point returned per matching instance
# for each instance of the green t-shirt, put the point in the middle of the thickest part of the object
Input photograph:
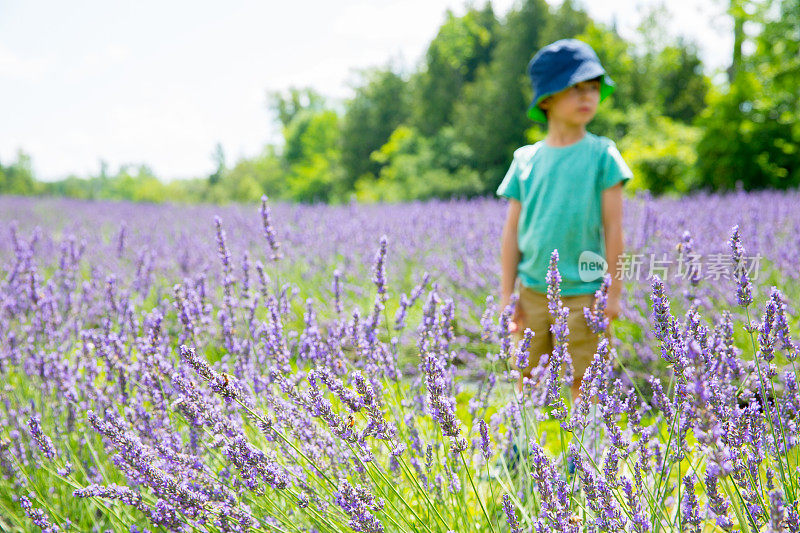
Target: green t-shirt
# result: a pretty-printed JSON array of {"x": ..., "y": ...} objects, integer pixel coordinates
[{"x": 560, "y": 189}]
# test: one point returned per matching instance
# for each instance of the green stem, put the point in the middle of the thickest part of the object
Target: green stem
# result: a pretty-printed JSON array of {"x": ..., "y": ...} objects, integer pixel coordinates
[{"x": 475, "y": 490}]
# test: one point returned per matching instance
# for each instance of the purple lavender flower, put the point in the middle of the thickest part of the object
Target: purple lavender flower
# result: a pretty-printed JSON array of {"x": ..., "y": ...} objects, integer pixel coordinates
[
  {"x": 503, "y": 331},
  {"x": 522, "y": 349},
  {"x": 777, "y": 512},
  {"x": 485, "y": 441},
  {"x": 690, "y": 511},
  {"x": 337, "y": 291},
  {"x": 269, "y": 231},
  {"x": 596, "y": 315},
  {"x": 744, "y": 290},
  {"x": 222, "y": 248},
  {"x": 378, "y": 426},
  {"x": 37, "y": 516},
  {"x": 119, "y": 493},
  {"x": 511, "y": 515},
  {"x": 254, "y": 465},
  {"x": 379, "y": 268},
  {"x": 441, "y": 406},
  {"x": 223, "y": 384},
  {"x": 553, "y": 279},
  {"x": 42, "y": 440},
  {"x": 793, "y": 518},
  {"x": 633, "y": 499},
  {"x": 661, "y": 312},
  {"x": 781, "y": 326},
  {"x": 717, "y": 503},
  {"x": 487, "y": 319},
  {"x": 359, "y": 504}
]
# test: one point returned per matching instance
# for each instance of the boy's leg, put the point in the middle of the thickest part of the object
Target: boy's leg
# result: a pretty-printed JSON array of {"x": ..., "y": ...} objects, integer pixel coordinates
[
  {"x": 582, "y": 340},
  {"x": 537, "y": 319}
]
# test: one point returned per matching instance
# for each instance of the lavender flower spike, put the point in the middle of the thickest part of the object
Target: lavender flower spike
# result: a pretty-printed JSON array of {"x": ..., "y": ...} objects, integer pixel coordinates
[
  {"x": 511, "y": 515},
  {"x": 379, "y": 268},
  {"x": 42, "y": 440},
  {"x": 522, "y": 349},
  {"x": 38, "y": 516},
  {"x": 744, "y": 290},
  {"x": 691, "y": 514},
  {"x": 553, "y": 279},
  {"x": 269, "y": 231},
  {"x": 223, "y": 384},
  {"x": 485, "y": 441},
  {"x": 596, "y": 316}
]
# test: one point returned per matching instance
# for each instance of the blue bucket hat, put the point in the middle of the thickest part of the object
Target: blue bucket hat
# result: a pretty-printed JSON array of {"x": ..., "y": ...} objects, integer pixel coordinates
[{"x": 560, "y": 65}]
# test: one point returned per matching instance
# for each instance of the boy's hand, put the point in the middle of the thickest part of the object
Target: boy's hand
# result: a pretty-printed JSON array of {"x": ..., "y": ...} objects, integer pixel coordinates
[
  {"x": 517, "y": 320},
  {"x": 613, "y": 308}
]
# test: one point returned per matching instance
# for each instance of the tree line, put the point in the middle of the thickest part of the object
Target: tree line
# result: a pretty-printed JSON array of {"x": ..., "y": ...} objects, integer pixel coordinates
[{"x": 449, "y": 127}]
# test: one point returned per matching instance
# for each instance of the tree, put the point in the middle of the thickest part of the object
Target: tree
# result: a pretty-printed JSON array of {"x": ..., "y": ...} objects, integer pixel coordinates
[
  {"x": 287, "y": 105},
  {"x": 682, "y": 87},
  {"x": 752, "y": 131},
  {"x": 313, "y": 156},
  {"x": 379, "y": 105},
  {"x": 17, "y": 178},
  {"x": 490, "y": 118},
  {"x": 219, "y": 161},
  {"x": 452, "y": 60},
  {"x": 262, "y": 174},
  {"x": 417, "y": 167}
]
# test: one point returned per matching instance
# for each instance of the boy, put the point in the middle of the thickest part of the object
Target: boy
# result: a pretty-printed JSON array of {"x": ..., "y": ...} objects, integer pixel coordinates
[{"x": 565, "y": 193}]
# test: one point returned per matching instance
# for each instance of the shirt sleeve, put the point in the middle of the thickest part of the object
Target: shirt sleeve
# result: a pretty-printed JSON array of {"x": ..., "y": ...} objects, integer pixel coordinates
[
  {"x": 613, "y": 168},
  {"x": 509, "y": 188}
]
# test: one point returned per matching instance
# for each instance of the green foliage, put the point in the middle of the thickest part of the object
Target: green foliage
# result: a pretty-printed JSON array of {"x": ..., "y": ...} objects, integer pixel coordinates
[
  {"x": 287, "y": 106},
  {"x": 490, "y": 117},
  {"x": 751, "y": 132},
  {"x": 659, "y": 152},
  {"x": 219, "y": 160},
  {"x": 417, "y": 167},
  {"x": 682, "y": 86},
  {"x": 251, "y": 178},
  {"x": 462, "y": 45},
  {"x": 378, "y": 107},
  {"x": 17, "y": 178},
  {"x": 313, "y": 155}
]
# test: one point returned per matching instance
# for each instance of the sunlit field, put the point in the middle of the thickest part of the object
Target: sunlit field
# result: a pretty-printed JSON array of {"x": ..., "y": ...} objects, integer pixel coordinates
[{"x": 346, "y": 368}]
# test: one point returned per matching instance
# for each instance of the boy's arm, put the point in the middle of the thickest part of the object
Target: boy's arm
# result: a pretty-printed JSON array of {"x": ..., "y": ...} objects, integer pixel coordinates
[
  {"x": 509, "y": 253},
  {"x": 612, "y": 229}
]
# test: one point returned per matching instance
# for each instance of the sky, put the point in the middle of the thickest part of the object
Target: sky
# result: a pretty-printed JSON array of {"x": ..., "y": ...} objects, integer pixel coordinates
[{"x": 161, "y": 82}]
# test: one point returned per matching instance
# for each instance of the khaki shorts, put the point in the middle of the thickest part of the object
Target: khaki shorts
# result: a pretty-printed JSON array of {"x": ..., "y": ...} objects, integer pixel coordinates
[{"x": 582, "y": 341}]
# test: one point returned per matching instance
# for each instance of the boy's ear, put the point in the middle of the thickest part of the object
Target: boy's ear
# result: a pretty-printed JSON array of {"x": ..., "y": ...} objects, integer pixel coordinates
[{"x": 544, "y": 104}]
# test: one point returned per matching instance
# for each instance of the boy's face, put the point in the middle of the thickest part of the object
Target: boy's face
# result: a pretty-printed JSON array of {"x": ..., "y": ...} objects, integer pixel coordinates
[{"x": 575, "y": 105}]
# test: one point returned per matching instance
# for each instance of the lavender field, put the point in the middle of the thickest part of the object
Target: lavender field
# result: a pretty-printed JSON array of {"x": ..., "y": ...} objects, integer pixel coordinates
[{"x": 345, "y": 368}]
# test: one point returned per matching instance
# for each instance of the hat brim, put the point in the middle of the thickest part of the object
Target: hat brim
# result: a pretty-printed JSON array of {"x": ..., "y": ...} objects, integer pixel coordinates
[{"x": 607, "y": 87}]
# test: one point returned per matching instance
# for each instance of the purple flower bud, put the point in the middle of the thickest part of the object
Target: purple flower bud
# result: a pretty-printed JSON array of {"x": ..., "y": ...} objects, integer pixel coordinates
[
  {"x": 379, "y": 268},
  {"x": 37, "y": 516},
  {"x": 691, "y": 513},
  {"x": 42, "y": 440},
  {"x": 553, "y": 279},
  {"x": 522, "y": 349},
  {"x": 596, "y": 316},
  {"x": 269, "y": 231},
  {"x": 485, "y": 441},
  {"x": 511, "y": 515},
  {"x": 359, "y": 504}
]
